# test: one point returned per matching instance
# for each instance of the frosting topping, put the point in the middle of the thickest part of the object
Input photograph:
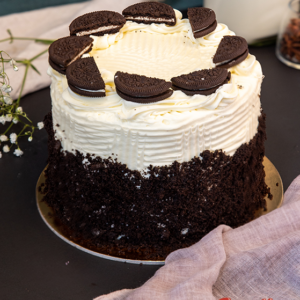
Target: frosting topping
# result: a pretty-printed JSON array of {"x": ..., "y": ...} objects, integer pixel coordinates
[{"x": 177, "y": 128}]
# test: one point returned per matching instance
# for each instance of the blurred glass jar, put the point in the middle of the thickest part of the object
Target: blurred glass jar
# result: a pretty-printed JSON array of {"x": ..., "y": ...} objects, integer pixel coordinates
[
  {"x": 288, "y": 41},
  {"x": 257, "y": 20}
]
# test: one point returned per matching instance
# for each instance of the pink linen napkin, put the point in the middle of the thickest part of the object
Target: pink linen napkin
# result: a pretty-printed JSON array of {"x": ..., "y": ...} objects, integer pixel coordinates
[{"x": 260, "y": 260}]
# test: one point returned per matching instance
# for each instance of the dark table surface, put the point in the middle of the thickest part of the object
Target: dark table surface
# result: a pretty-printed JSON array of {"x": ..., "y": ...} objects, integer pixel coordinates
[{"x": 36, "y": 264}]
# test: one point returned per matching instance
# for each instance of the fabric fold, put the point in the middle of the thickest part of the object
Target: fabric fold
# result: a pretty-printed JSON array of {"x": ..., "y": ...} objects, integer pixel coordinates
[{"x": 259, "y": 260}]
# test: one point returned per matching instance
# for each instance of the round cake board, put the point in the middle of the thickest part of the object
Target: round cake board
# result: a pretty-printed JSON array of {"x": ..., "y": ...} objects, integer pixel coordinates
[{"x": 273, "y": 181}]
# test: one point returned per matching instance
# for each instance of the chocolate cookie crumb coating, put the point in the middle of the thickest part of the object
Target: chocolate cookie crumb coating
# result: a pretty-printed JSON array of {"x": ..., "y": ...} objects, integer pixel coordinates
[
  {"x": 150, "y": 12},
  {"x": 174, "y": 207}
]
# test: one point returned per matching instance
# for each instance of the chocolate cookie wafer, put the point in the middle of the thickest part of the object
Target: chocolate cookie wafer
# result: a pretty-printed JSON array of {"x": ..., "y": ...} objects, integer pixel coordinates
[
  {"x": 203, "y": 82},
  {"x": 150, "y": 12},
  {"x": 66, "y": 50},
  {"x": 231, "y": 51},
  {"x": 85, "y": 79},
  {"x": 141, "y": 89},
  {"x": 97, "y": 23},
  {"x": 202, "y": 20}
]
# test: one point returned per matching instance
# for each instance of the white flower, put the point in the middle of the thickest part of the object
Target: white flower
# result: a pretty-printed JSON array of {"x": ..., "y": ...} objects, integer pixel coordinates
[
  {"x": 6, "y": 88},
  {"x": 19, "y": 109},
  {"x": 8, "y": 100},
  {"x": 13, "y": 137},
  {"x": 3, "y": 138},
  {"x": 18, "y": 152},
  {"x": 12, "y": 62},
  {"x": 8, "y": 118},
  {"x": 0, "y": 154},
  {"x": 2, "y": 120},
  {"x": 6, "y": 149},
  {"x": 40, "y": 125},
  {"x": 16, "y": 68},
  {"x": 30, "y": 139},
  {"x": 15, "y": 120}
]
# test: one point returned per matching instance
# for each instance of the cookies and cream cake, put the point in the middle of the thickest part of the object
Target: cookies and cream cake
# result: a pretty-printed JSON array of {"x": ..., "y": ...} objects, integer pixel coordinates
[{"x": 152, "y": 141}]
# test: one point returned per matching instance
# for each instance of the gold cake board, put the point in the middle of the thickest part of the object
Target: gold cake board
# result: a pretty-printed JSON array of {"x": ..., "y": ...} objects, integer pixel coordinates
[{"x": 273, "y": 181}]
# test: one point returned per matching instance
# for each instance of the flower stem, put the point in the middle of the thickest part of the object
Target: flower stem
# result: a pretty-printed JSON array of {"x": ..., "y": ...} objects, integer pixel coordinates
[
  {"x": 27, "y": 39},
  {"x": 8, "y": 128},
  {"x": 38, "y": 55},
  {"x": 23, "y": 84}
]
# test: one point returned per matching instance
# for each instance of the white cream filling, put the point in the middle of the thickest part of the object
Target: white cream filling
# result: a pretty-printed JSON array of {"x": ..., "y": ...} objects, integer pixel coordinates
[
  {"x": 224, "y": 62},
  {"x": 103, "y": 28},
  {"x": 79, "y": 55},
  {"x": 94, "y": 91},
  {"x": 202, "y": 28},
  {"x": 150, "y": 19}
]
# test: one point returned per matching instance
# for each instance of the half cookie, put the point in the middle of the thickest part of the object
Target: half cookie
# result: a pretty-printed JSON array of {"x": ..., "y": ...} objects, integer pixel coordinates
[
  {"x": 85, "y": 79},
  {"x": 202, "y": 20},
  {"x": 231, "y": 51},
  {"x": 141, "y": 89},
  {"x": 150, "y": 12},
  {"x": 97, "y": 23},
  {"x": 66, "y": 50},
  {"x": 204, "y": 82}
]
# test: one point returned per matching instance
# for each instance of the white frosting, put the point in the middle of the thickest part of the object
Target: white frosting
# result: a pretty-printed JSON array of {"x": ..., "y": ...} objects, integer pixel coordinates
[
  {"x": 79, "y": 55},
  {"x": 94, "y": 91},
  {"x": 177, "y": 128}
]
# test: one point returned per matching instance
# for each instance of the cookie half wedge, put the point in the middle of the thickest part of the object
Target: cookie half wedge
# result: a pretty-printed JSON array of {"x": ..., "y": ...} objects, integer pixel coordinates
[
  {"x": 141, "y": 89},
  {"x": 150, "y": 12},
  {"x": 203, "y": 21},
  {"x": 231, "y": 51},
  {"x": 97, "y": 23},
  {"x": 84, "y": 78},
  {"x": 65, "y": 51},
  {"x": 203, "y": 82}
]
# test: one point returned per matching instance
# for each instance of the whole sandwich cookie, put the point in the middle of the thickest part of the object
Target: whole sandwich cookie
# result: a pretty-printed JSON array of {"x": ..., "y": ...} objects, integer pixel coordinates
[
  {"x": 66, "y": 50},
  {"x": 203, "y": 82},
  {"x": 150, "y": 12},
  {"x": 97, "y": 23},
  {"x": 141, "y": 89},
  {"x": 202, "y": 20},
  {"x": 85, "y": 79},
  {"x": 231, "y": 51}
]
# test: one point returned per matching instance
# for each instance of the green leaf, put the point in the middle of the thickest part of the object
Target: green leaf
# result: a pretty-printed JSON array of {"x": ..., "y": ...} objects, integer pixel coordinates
[{"x": 35, "y": 69}]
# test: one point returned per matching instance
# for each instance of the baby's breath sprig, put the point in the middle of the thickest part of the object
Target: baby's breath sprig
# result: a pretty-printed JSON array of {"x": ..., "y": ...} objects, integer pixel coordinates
[{"x": 10, "y": 110}]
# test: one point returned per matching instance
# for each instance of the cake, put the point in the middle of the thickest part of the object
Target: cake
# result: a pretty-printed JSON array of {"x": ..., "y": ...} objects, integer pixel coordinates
[{"x": 140, "y": 178}]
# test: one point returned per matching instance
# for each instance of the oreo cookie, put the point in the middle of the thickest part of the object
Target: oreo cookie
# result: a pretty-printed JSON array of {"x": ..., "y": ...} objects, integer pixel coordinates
[
  {"x": 203, "y": 82},
  {"x": 97, "y": 23},
  {"x": 231, "y": 51},
  {"x": 141, "y": 89},
  {"x": 66, "y": 50},
  {"x": 202, "y": 20},
  {"x": 150, "y": 12},
  {"x": 85, "y": 79}
]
